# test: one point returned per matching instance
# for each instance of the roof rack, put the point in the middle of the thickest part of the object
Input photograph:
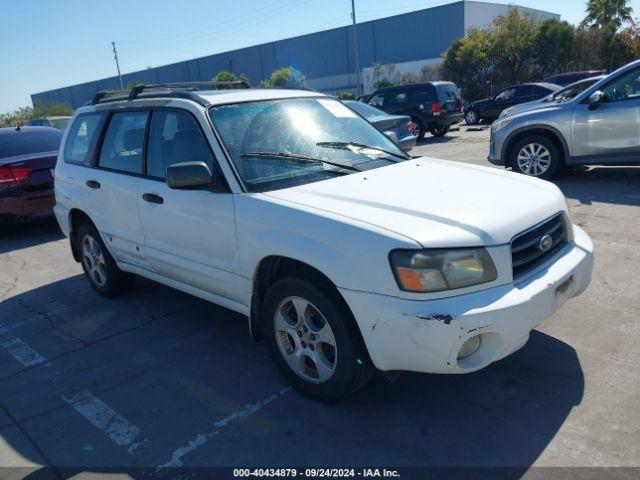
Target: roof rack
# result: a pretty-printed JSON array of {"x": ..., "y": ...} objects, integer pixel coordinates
[{"x": 176, "y": 90}]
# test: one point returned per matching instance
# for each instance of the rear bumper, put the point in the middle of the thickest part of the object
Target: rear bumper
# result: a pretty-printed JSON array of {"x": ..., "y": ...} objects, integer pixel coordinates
[
  {"x": 408, "y": 142},
  {"x": 447, "y": 119},
  {"x": 426, "y": 336},
  {"x": 16, "y": 205}
]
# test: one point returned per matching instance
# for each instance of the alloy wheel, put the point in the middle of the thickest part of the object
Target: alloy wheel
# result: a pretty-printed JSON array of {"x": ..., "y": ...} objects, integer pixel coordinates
[
  {"x": 93, "y": 260},
  {"x": 534, "y": 159},
  {"x": 471, "y": 117},
  {"x": 305, "y": 340}
]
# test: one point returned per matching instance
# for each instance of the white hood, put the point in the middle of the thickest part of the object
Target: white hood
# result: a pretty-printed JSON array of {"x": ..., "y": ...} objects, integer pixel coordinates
[{"x": 436, "y": 202}]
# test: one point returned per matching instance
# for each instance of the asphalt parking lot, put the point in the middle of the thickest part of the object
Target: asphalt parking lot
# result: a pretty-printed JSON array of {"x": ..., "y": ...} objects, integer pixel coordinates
[{"x": 157, "y": 378}]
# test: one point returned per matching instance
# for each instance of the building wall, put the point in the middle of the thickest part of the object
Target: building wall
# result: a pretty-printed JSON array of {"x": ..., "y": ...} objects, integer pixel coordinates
[{"x": 326, "y": 58}]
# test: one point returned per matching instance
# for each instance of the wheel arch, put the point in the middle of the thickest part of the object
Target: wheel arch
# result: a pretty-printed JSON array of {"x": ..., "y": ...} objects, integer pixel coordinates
[
  {"x": 274, "y": 267},
  {"x": 550, "y": 132},
  {"x": 76, "y": 218}
]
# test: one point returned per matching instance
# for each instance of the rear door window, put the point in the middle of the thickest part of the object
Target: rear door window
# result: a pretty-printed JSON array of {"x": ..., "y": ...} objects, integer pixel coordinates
[
  {"x": 82, "y": 137},
  {"x": 123, "y": 142},
  {"x": 398, "y": 98},
  {"x": 174, "y": 137}
]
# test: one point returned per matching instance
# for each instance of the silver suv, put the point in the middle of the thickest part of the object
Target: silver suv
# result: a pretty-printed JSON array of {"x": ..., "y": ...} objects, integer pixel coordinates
[{"x": 601, "y": 126}]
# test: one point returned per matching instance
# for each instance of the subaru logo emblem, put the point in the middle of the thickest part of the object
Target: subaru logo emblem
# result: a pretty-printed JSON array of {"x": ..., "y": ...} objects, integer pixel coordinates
[{"x": 546, "y": 243}]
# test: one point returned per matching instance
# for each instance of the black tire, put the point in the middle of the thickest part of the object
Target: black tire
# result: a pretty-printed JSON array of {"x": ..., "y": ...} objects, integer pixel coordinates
[
  {"x": 108, "y": 280},
  {"x": 536, "y": 143},
  {"x": 352, "y": 364},
  {"x": 421, "y": 131},
  {"x": 472, "y": 117},
  {"x": 439, "y": 130}
]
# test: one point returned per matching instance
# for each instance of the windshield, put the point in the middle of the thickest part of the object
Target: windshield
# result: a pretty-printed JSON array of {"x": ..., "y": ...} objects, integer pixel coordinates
[
  {"x": 282, "y": 143},
  {"x": 574, "y": 90}
]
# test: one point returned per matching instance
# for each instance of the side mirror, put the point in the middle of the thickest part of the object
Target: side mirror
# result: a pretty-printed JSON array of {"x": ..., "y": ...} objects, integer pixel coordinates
[
  {"x": 188, "y": 175},
  {"x": 596, "y": 98}
]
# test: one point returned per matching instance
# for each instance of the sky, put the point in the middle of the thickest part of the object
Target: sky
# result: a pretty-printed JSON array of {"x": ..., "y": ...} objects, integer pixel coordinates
[{"x": 46, "y": 44}]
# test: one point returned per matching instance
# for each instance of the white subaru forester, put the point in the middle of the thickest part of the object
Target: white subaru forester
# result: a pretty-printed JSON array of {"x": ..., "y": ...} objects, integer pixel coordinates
[{"x": 345, "y": 253}]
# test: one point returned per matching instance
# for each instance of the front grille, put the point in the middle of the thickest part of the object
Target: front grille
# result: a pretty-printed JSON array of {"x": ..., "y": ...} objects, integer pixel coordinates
[{"x": 528, "y": 250}]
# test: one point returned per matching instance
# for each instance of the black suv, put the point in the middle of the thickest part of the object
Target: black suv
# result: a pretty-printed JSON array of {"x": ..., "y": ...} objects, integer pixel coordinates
[
  {"x": 433, "y": 106},
  {"x": 491, "y": 108}
]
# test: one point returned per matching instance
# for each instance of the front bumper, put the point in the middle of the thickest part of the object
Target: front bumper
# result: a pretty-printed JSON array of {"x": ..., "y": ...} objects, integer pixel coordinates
[
  {"x": 495, "y": 148},
  {"x": 427, "y": 336}
]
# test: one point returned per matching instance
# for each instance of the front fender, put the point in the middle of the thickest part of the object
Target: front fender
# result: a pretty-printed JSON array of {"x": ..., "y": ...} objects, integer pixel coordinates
[{"x": 516, "y": 133}]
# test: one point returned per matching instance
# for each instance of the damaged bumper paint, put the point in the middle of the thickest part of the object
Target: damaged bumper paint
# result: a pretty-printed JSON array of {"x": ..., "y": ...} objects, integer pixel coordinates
[{"x": 427, "y": 336}]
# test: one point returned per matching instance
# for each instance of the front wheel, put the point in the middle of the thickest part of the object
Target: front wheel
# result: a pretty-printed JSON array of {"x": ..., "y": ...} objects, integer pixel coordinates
[
  {"x": 536, "y": 156},
  {"x": 439, "y": 130},
  {"x": 312, "y": 339}
]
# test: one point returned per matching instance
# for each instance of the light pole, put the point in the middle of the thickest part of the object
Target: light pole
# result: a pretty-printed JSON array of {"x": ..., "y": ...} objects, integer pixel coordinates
[
  {"x": 355, "y": 46},
  {"x": 115, "y": 56}
]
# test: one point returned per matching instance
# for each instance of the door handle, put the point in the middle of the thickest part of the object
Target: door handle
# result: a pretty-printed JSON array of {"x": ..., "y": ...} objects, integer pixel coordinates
[
  {"x": 93, "y": 184},
  {"x": 153, "y": 198}
]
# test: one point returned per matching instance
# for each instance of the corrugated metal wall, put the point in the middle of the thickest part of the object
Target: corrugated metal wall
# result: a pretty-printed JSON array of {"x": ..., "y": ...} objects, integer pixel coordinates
[{"x": 326, "y": 58}]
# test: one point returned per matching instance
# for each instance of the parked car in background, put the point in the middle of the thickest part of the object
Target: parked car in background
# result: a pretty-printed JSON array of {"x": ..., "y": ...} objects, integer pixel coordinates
[
  {"x": 491, "y": 108},
  {"x": 27, "y": 159},
  {"x": 597, "y": 127},
  {"x": 398, "y": 128},
  {"x": 568, "y": 78},
  {"x": 567, "y": 93},
  {"x": 56, "y": 122},
  {"x": 345, "y": 253},
  {"x": 433, "y": 107}
]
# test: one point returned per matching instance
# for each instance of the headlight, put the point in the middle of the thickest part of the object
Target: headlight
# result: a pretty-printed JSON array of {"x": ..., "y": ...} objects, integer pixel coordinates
[
  {"x": 442, "y": 269},
  {"x": 500, "y": 124}
]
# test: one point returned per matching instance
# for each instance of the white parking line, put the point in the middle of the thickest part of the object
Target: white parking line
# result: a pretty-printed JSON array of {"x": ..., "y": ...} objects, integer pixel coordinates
[
  {"x": 106, "y": 419},
  {"x": 201, "y": 438},
  {"x": 19, "y": 350}
]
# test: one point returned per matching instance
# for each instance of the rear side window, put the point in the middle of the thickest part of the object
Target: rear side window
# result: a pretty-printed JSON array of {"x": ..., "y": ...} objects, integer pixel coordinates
[
  {"x": 538, "y": 90},
  {"x": 175, "y": 137},
  {"x": 82, "y": 138},
  {"x": 523, "y": 91},
  {"x": 26, "y": 142},
  {"x": 123, "y": 142}
]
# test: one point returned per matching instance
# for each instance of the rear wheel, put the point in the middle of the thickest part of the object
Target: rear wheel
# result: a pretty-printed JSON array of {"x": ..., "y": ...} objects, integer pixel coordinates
[
  {"x": 418, "y": 128},
  {"x": 472, "y": 117},
  {"x": 312, "y": 339},
  {"x": 536, "y": 156},
  {"x": 98, "y": 264},
  {"x": 439, "y": 130}
]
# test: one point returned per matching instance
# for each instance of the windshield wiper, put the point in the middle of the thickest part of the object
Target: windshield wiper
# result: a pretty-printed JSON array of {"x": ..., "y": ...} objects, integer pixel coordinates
[
  {"x": 294, "y": 156},
  {"x": 346, "y": 145}
]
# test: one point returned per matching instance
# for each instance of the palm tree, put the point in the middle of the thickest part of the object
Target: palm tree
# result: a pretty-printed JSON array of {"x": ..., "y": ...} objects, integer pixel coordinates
[{"x": 610, "y": 14}]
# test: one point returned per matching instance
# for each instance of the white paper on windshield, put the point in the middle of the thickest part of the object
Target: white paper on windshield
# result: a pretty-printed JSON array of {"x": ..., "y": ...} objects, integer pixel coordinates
[{"x": 336, "y": 108}]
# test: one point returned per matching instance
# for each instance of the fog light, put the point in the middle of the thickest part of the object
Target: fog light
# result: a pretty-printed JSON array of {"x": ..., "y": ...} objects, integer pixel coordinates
[{"x": 469, "y": 347}]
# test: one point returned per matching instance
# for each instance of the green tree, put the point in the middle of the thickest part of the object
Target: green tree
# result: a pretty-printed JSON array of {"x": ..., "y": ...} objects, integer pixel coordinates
[
  {"x": 511, "y": 44},
  {"x": 553, "y": 47},
  {"x": 21, "y": 115},
  {"x": 610, "y": 14},
  {"x": 469, "y": 63},
  {"x": 225, "y": 76},
  {"x": 285, "y": 77}
]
